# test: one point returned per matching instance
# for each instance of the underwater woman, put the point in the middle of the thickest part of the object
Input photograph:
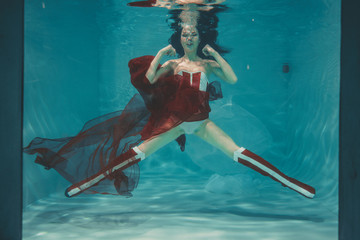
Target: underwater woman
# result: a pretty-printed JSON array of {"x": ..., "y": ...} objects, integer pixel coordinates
[{"x": 176, "y": 96}]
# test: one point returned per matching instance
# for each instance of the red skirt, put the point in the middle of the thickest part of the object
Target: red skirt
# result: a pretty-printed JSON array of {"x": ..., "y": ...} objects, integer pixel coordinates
[{"x": 158, "y": 108}]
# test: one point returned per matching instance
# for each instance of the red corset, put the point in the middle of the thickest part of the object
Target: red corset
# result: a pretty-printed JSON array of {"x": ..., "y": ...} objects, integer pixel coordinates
[{"x": 172, "y": 99}]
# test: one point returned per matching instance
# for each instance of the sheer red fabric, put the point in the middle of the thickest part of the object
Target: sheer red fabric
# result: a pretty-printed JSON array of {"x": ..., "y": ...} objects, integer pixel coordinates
[{"x": 160, "y": 107}]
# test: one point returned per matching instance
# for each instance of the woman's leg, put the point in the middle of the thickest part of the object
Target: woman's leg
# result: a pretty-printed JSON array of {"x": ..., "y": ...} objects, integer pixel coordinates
[
  {"x": 215, "y": 136},
  {"x": 150, "y": 146},
  {"x": 126, "y": 160}
]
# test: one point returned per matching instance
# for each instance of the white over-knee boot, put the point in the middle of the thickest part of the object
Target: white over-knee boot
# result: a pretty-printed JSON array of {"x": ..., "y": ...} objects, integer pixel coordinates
[
  {"x": 260, "y": 165},
  {"x": 122, "y": 162}
]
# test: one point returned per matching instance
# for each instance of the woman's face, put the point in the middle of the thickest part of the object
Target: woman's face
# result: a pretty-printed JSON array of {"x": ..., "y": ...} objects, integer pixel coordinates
[{"x": 190, "y": 38}]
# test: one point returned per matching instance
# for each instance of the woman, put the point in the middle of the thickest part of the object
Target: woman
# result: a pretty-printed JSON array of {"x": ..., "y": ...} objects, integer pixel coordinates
[
  {"x": 176, "y": 94},
  {"x": 192, "y": 71}
]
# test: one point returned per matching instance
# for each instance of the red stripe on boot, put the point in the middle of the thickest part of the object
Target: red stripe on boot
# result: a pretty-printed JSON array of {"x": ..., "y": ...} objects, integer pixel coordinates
[
  {"x": 129, "y": 158},
  {"x": 248, "y": 164},
  {"x": 270, "y": 166}
]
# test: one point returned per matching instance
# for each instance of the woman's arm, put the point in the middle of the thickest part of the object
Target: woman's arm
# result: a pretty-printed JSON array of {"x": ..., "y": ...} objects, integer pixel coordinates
[
  {"x": 220, "y": 67},
  {"x": 153, "y": 73}
]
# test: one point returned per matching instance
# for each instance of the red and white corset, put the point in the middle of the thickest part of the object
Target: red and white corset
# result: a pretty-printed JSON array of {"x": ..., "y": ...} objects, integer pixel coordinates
[{"x": 196, "y": 80}]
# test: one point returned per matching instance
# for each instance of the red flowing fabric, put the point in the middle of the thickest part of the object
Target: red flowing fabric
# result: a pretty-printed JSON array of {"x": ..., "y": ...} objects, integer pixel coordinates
[{"x": 161, "y": 106}]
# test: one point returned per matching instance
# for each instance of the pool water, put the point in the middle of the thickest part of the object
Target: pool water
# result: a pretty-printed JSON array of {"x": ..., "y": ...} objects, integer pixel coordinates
[{"x": 284, "y": 107}]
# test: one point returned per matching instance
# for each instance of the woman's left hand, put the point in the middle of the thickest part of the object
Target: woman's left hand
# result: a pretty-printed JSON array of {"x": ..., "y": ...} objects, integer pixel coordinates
[{"x": 208, "y": 51}]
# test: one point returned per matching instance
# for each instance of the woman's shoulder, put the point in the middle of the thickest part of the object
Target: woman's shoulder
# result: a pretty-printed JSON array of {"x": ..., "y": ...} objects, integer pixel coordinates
[
  {"x": 209, "y": 65},
  {"x": 209, "y": 62},
  {"x": 171, "y": 62}
]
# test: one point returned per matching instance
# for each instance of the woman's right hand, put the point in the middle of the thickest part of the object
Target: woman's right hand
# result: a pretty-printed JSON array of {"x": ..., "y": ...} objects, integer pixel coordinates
[
  {"x": 168, "y": 50},
  {"x": 153, "y": 72}
]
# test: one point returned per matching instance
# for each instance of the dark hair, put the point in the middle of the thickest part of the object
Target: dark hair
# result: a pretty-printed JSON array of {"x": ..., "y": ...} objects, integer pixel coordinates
[{"x": 207, "y": 23}]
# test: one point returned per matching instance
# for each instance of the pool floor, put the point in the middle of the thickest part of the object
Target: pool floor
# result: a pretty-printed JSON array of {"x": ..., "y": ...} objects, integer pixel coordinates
[{"x": 181, "y": 208}]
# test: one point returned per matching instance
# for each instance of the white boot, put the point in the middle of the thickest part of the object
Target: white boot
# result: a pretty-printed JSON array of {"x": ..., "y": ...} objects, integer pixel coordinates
[{"x": 260, "y": 165}]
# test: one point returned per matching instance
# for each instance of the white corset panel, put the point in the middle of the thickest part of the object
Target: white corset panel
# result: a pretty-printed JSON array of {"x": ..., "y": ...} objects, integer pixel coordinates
[{"x": 194, "y": 80}]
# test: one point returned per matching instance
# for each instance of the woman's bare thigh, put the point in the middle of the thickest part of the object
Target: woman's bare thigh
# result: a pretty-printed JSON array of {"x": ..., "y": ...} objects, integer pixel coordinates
[
  {"x": 214, "y": 135},
  {"x": 153, "y": 144}
]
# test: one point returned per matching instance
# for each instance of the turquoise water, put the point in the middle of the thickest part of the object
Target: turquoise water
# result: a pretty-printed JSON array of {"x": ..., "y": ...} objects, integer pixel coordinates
[{"x": 76, "y": 57}]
